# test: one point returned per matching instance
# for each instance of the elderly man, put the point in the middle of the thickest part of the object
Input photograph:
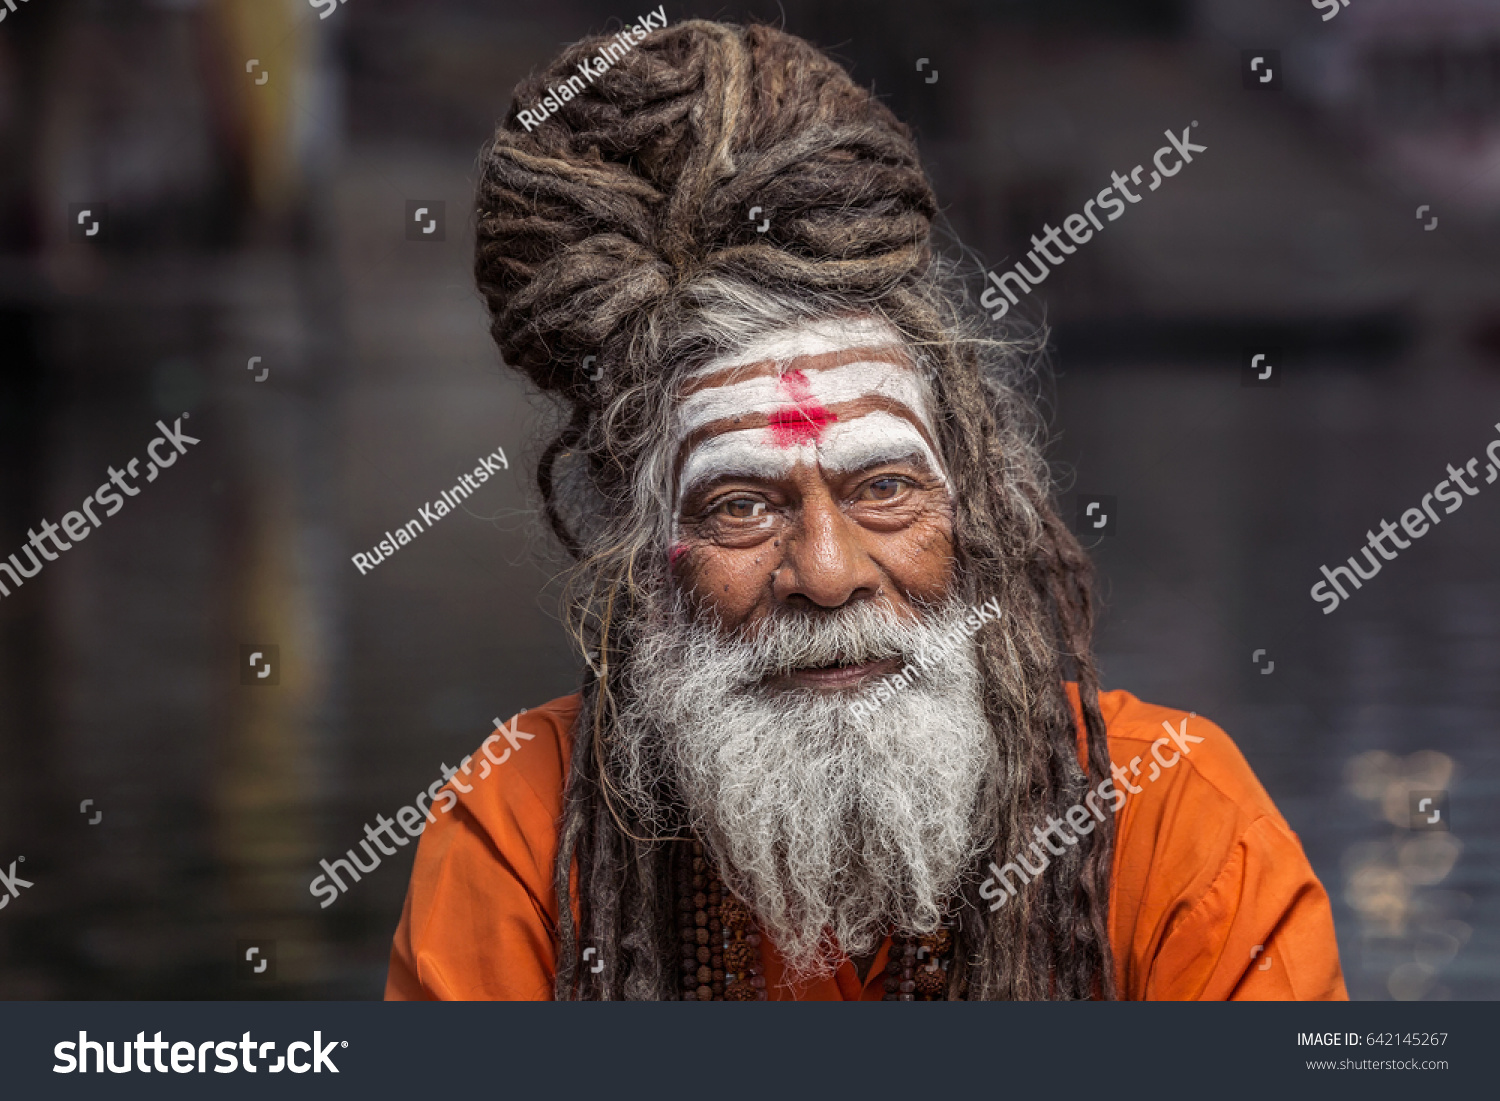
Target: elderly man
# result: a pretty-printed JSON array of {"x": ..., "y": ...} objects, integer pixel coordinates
[{"x": 841, "y": 736}]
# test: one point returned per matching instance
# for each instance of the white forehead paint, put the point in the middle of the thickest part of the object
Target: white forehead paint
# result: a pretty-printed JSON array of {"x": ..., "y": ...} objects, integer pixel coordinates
[
  {"x": 810, "y": 339},
  {"x": 830, "y": 386},
  {"x": 773, "y": 451},
  {"x": 877, "y": 437}
]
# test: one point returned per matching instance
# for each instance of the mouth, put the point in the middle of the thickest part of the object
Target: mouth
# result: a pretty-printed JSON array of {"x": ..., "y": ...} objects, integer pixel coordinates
[{"x": 835, "y": 676}]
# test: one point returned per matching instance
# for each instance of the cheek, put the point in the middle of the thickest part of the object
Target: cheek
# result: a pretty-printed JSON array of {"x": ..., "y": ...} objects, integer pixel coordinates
[
  {"x": 731, "y": 582},
  {"x": 919, "y": 559},
  {"x": 736, "y": 581}
]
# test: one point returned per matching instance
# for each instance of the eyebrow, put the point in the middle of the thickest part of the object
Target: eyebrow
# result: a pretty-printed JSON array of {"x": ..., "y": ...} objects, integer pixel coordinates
[
  {"x": 881, "y": 436},
  {"x": 878, "y": 437},
  {"x": 842, "y": 412}
]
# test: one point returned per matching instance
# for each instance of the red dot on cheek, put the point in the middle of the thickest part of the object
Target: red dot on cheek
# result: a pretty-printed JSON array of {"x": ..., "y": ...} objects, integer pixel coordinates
[{"x": 675, "y": 553}]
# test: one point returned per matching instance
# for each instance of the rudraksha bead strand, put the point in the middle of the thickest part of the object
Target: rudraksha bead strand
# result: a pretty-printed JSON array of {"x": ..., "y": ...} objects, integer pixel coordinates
[{"x": 720, "y": 946}]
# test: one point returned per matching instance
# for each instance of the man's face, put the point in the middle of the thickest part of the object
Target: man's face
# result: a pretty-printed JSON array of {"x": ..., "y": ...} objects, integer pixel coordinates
[
  {"x": 807, "y": 478},
  {"x": 813, "y": 556}
]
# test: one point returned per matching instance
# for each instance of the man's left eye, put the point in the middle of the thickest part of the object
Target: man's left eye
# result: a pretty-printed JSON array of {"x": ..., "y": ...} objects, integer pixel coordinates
[{"x": 885, "y": 489}]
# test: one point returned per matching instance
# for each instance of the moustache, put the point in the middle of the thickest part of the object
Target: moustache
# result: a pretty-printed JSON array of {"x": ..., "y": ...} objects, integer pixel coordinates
[{"x": 789, "y": 640}]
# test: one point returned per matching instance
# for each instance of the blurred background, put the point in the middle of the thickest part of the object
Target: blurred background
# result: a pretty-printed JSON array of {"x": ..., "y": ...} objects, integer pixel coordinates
[{"x": 253, "y": 167}]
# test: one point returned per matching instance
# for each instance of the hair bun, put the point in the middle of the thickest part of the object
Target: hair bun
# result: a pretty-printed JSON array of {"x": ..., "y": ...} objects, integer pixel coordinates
[{"x": 645, "y": 178}]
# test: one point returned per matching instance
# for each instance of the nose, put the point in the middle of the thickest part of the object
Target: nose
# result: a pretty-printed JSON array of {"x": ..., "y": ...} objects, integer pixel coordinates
[{"x": 824, "y": 561}]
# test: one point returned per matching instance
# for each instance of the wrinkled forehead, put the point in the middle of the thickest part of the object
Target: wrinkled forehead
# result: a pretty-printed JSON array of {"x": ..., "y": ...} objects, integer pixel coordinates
[{"x": 843, "y": 394}]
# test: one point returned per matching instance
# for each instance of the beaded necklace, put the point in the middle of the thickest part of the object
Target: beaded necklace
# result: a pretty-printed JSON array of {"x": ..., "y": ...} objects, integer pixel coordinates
[
  {"x": 721, "y": 946},
  {"x": 911, "y": 978}
]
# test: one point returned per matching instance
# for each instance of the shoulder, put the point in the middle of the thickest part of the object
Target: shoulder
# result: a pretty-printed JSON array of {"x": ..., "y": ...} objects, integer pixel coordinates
[
  {"x": 1189, "y": 794},
  {"x": 1172, "y": 754},
  {"x": 516, "y": 775},
  {"x": 480, "y": 910},
  {"x": 1205, "y": 867},
  {"x": 506, "y": 799}
]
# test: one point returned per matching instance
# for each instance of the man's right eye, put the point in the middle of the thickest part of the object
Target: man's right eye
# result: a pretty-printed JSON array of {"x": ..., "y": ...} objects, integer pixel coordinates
[{"x": 741, "y": 508}]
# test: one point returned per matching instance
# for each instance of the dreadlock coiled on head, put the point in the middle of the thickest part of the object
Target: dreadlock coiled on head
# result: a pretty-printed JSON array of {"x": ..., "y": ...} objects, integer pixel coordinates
[{"x": 616, "y": 252}]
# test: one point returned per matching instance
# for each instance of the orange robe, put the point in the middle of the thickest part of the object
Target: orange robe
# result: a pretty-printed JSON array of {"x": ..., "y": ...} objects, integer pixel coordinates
[{"x": 1212, "y": 897}]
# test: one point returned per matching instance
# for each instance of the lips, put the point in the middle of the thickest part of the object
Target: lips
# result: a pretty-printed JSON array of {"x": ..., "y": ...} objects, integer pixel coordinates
[{"x": 834, "y": 677}]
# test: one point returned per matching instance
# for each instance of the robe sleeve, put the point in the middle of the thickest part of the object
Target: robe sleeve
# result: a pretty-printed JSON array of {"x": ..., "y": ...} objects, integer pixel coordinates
[
  {"x": 1262, "y": 932},
  {"x": 470, "y": 929},
  {"x": 1213, "y": 898},
  {"x": 480, "y": 916}
]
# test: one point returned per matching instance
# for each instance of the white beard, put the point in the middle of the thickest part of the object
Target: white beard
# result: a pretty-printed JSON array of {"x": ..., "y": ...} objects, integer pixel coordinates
[{"x": 833, "y": 829}]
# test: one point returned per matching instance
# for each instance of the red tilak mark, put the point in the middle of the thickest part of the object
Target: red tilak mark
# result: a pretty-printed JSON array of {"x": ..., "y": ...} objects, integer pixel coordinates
[
  {"x": 677, "y": 551},
  {"x": 803, "y": 421},
  {"x": 796, "y": 386}
]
